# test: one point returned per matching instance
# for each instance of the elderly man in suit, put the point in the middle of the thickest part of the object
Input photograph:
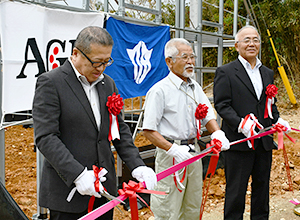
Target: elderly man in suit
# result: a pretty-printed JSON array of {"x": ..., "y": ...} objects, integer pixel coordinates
[
  {"x": 240, "y": 99},
  {"x": 71, "y": 125}
]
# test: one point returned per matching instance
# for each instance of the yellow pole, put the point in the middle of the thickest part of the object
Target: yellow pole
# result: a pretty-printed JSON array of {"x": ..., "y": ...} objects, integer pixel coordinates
[{"x": 283, "y": 74}]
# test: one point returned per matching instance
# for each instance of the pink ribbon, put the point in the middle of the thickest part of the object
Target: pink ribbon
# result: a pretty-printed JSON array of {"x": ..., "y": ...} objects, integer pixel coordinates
[
  {"x": 294, "y": 129},
  {"x": 295, "y": 201},
  {"x": 111, "y": 204}
]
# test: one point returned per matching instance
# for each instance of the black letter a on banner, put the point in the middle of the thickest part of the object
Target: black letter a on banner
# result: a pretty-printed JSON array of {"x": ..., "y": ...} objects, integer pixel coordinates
[{"x": 38, "y": 58}]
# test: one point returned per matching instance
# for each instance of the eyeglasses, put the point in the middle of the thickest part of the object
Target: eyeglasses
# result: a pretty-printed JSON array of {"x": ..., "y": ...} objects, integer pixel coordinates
[
  {"x": 98, "y": 64},
  {"x": 185, "y": 57},
  {"x": 247, "y": 41}
]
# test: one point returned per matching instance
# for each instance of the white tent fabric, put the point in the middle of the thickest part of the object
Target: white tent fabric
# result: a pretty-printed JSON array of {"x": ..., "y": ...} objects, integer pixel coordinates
[{"x": 35, "y": 39}]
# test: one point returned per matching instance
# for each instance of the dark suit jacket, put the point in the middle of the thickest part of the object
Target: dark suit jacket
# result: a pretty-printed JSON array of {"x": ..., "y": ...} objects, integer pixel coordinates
[
  {"x": 235, "y": 97},
  {"x": 66, "y": 134}
]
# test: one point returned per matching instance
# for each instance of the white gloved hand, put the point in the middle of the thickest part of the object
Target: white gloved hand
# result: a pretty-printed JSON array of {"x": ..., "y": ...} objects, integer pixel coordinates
[
  {"x": 85, "y": 184},
  {"x": 179, "y": 152},
  {"x": 192, "y": 147},
  {"x": 246, "y": 130},
  {"x": 144, "y": 173},
  {"x": 285, "y": 124},
  {"x": 220, "y": 135}
]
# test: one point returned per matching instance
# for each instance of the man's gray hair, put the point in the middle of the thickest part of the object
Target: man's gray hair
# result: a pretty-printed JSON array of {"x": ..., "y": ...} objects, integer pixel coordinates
[
  {"x": 93, "y": 35},
  {"x": 247, "y": 26},
  {"x": 171, "y": 46}
]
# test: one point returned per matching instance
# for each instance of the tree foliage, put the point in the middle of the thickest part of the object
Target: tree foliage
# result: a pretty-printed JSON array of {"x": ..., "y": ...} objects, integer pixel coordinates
[{"x": 282, "y": 18}]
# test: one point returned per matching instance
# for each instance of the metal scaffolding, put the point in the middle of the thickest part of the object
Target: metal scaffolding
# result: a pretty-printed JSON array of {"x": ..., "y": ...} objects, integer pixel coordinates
[{"x": 197, "y": 34}]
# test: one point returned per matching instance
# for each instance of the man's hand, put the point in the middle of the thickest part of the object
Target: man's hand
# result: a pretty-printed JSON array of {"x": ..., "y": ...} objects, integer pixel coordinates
[
  {"x": 220, "y": 135},
  {"x": 285, "y": 124},
  {"x": 144, "y": 173},
  {"x": 246, "y": 127},
  {"x": 85, "y": 184},
  {"x": 179, "y": 152}
]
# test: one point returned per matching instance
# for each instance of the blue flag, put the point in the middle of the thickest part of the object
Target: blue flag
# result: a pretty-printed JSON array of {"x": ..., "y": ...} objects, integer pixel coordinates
[{"x": 138, "y": 54}]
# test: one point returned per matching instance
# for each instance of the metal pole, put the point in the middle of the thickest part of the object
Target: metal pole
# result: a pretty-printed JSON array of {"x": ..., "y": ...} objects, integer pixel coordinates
[
  {"x": 158, "y": 8},
  {"x": 40, "y": 160},
  {"x": 42, "y": 213},
  {"x": 86, "y": 5},
  {"x": 2, "y": 136},
  {"x": 220, "y": 42},
  {"x": 199, "y": 41},
  {"x": 182, "y": 17},
  {"x": 220, "y": 32},
  {"x": 106, "y": 5},
  {"x": 177, "y": 18},
  {"x": 200, "y": 10},
  {"x": 235, "y": 16},
  {"x": 121, "y": 9}
]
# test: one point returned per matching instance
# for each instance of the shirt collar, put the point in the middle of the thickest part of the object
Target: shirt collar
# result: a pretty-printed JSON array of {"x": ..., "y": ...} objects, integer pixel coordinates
[
  {"x": 177, "y": 81},
  {"x": 82, "y": 78},
  {"x": 247, "y": 65}
]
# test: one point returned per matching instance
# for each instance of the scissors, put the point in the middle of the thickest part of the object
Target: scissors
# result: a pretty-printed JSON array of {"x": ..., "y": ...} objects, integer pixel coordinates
[
  {"x": 110, "y": 197},
  {"x": 265, "y": 129},
  {"x": 202, "y": 152}
]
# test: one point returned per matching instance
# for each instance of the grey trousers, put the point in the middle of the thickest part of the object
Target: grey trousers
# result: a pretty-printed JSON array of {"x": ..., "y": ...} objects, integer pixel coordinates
[{"x": 177, "y": 205}]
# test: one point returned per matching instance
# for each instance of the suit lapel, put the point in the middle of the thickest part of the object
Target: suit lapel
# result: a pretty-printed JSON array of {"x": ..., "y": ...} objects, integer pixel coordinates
[
  {"x": 77, "y": 89},
  {"x": 102, "y": 99},
  {"x": 243, "y": 76}
]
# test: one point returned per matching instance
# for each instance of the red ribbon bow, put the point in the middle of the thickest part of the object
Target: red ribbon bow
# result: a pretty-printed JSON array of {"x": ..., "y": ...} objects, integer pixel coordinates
[
  {"x": 97, "y": 186},
  {"x": 115, "y": 105},
  {"x": 200, "y": 113},
  {"x": 271, "y": 91},
  {"x": 215, "y": 157},
  {"x": 97, "y": 182},
  {"x": 217, "y": 145},
  {"x": 280, "y": 130},
  {"x": 130, "y": 190}
]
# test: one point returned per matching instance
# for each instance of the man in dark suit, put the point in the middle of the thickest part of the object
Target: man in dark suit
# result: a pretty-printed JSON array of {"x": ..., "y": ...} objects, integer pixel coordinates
[
  {"x": 72, "y": 125},
  {"x": 240, "y": 99}
]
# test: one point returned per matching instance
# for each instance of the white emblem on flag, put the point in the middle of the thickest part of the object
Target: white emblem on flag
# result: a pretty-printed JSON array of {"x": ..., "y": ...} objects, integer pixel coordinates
[{"x": 140, "y": 58}]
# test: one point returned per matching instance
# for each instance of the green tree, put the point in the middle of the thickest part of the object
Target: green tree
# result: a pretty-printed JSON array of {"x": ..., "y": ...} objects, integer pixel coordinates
[{"x": 282, "y": 18}]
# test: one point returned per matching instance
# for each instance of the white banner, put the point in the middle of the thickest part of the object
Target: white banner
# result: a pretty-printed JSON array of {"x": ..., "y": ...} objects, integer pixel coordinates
[{"x": 35, "y": 39}]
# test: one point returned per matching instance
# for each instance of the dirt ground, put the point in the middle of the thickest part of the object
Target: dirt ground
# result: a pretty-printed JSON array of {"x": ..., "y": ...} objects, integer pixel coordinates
[{"x": 20, "y": 163}]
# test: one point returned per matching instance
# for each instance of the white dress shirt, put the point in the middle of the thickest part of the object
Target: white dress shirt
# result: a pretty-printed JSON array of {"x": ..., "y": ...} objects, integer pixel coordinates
[
  {"x": 254, "y": 75},
  {"x": 170, "y": 108},
  {"x": 91, "y": 93}
]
